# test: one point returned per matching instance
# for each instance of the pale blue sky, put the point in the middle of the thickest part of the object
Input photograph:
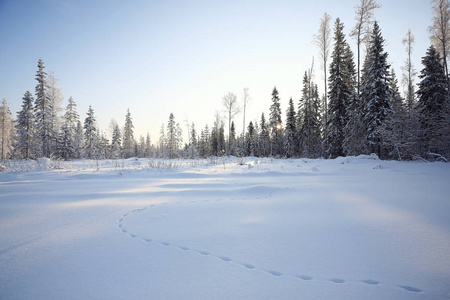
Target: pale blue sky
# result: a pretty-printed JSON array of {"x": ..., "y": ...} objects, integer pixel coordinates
[{"x": 180, "y": 57}]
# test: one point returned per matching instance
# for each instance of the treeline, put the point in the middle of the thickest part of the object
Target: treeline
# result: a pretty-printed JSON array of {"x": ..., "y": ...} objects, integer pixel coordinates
[{"x": 361, "y": 111}]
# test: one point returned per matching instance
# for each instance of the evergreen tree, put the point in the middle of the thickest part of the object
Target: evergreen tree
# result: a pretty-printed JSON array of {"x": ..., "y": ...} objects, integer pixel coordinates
[
  {"x": 79, "y": 140},
  {"x": 309, "y": 120},
  {"x": 276, "y": 125},
  {"x": 354, "y": 132},
  {"x": 232, "y": 150},
  {"x": 6, "y": 130},
  {"x": 396, "y": 140},
  {"x": 128, "y": 137},
  {"x": 290, "y": 142},
  {"x": 432, "y": 105},
  {"x": 376, "y": 92},
  {"x": 264, "y": 140},
  {"x": 55, "y": 100},
  {"x": 25, "y": 143},
  {"x": 340, "y": 92},
  {"x": 90, "y": 135},
  {"x": 172, "y": 137},
  {"x": 67, "y": 148},
  {"x": 148, "y": 146},
  {"x": 162, "y": 151},
  {"x": 250, "y": 140},
  {"x": 43, "y": 112},
  {"x": 116, "y": 142}
]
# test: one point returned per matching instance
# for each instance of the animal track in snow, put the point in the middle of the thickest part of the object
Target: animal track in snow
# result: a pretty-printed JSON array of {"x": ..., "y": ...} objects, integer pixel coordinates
[{"x": 227, "y": 259}]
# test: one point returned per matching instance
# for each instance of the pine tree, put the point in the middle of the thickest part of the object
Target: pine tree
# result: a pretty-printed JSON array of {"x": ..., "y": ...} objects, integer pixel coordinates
[
  {"x": 276, "y": 125},
  {"x": 128, "y": 137},
  {"x": 6, "y": 130},
  {"x": 90, "y": 135},
  {"x": 25, "y": 143},
  {"x": 432, "y": 104},
  {"x": 376, "y": 92},
  {"x": 341, "y": 91},
  {"x": 43, "y": 112},
  {"x": 290, "y": 142}
]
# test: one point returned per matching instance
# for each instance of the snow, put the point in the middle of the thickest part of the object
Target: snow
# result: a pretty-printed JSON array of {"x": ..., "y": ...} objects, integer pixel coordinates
[{"x": 348, "y": 228}]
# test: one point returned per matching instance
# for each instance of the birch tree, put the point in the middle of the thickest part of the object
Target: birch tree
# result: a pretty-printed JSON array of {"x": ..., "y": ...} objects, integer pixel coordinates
[{"x": 363, "y": 28}]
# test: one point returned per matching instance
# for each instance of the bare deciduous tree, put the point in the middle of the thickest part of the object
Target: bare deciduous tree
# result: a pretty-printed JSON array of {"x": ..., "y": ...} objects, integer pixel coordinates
[
  {"x": 409, "y": 72},
  {"x": 440, "y": 30},
  {"x": 362, "y": 29},
  {"x": 232, "y": 109},
  {"x": 323, "y": 41},
  {"x": 245, "y": 102}
]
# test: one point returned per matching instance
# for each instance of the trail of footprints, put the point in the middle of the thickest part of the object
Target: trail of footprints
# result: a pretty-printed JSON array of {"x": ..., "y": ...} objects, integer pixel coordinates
[{"x": 247, "y": 266}]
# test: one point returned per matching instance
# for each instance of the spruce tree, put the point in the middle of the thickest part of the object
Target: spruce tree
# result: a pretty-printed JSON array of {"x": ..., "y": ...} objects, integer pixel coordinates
[
  {"x": 341, "y": 90},
  {"x": 116, "y": 142},
  {"x": 128, "y": 137},
  {"x": 6, "y": 130},
  {"x": 264, "y": 140},
  {"x": 276, "y": 133},
  {"x": 432, "y": 104},
  {"x": 67, "y": 148},
  {"x": 376, "y": 92},
  {"x": 290, "y": 142},
  {"x": 43, "y": 112},
  {"x": 25, "y": 141},
  {"x": 91, "y": 136}
]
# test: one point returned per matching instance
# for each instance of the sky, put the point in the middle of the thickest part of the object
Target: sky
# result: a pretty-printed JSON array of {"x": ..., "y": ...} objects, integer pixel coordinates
[{"x": 161, "y": 57}]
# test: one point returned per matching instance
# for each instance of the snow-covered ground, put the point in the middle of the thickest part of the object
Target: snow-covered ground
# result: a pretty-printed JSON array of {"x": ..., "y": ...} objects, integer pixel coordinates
[{"x": 348, "y": 228}]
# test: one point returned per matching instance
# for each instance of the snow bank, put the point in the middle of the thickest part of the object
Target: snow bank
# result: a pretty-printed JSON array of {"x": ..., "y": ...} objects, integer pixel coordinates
[{"x": 279, "y": 229}]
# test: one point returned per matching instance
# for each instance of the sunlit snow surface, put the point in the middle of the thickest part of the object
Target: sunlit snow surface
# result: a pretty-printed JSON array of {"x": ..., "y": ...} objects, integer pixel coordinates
[{"x": 348, "y": 228}]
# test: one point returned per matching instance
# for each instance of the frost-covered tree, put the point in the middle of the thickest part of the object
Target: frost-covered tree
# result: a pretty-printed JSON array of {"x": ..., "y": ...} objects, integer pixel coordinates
[
  {"x": 43, "y": 112},
  {"x": 55, "y": 98},
  {"x": 25, "y": 145},
  {"x": 91, "y": 136},
  {"x": 79, "y": 140},
  {"x": 116, "y": 140},
  {"x": 264, "y": 138},
  {"x": 128, "y": 137},
  {"x": 290, "y": 130},
  {"x": 148, "y": 146},
  {"x": 67, "y": 147},
  {"x": 6, "y": 130},
  {"x": 376, "y": 92},
  {"x": 172, "y": 137},
  {"x": 341, "y": 89},
  {"x": 276, "y": 133},
  {"x": 309, "y": 135},
  {"x": 204, "y": 143},
  {"x": 432, "y": 105}
]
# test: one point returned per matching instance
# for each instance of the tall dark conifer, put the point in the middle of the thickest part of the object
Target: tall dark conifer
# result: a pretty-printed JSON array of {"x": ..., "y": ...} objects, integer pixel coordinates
[
  {"x": 25, "y": 140},
  {"x": 432, "y": 104},
  {"x": 340, "y": 92},
  {"x": 376, "y": 92}
]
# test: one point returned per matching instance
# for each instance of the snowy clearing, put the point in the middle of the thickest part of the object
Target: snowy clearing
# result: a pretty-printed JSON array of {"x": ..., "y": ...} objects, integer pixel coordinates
[{"x": 348, "y": 228}]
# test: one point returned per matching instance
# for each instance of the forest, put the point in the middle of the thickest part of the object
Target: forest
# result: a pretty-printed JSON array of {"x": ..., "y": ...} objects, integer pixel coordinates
[{"x": 361, "y": 111}]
